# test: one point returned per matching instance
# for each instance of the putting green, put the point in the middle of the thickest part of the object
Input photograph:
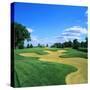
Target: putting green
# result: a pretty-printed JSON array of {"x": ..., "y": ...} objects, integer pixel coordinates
[{"x": 78, "y": 77}]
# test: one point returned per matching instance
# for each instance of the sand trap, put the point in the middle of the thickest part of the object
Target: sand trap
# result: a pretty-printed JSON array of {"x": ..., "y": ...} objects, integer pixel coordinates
[
  {"x": 78, "y": 77},
  {"x": 29, "y": 54}
]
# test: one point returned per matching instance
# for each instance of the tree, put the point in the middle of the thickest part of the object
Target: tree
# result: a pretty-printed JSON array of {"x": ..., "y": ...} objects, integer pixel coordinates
[
  {"x": 31, "y": 46},
  {"x": 86, "y": 42},
  {"x": 52, "y": 46},
  {"x": 65, "y": 44},
  {"x": 82, "y": 44},
  {"x": 75, "y": 44},
  {"x": 57, "y": 45},
  {"x": 39, "y": 45},
  {"x": 21, "y": 45},
  {"x": 28, "y": 46},
  {"x": 69, "y": 43},
  {"x": 20, "y": 34},
  {"x": 47, "y": 45}
]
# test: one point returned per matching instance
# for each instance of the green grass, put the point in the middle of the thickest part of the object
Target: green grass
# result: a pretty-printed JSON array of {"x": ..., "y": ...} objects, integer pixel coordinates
[
  {"x": 83, "y": 49},
  {"x": 39, "y": 51},
  {"x": 37, "y": 73},
  {"x": 73, "y": 53},
  {"x": 52, "y": 49},
  {"x": 29, "y": 71}
]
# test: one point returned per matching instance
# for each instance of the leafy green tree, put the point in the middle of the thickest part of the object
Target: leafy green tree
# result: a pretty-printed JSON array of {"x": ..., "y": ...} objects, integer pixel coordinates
[
  {"x": 31, "y": 46},
  {"x": 86, "y": 42},
  {"x": 52, "y": 46},
  {"x": 82, "y": 44},
  {"x": 57, "y": 45},
  {"x": 75, "y": 44},
  {"x": 20, "y": 34},
  {"x": 21, "y": 45},
  {"x": 65, "y": 44},
  {"x": 39, "y": 45},
  {"x": 69, "y": 43},
  {"x": 28, "y": 45}
]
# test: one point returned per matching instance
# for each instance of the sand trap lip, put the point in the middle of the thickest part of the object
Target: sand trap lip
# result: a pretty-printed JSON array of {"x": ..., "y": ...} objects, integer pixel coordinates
[{"x": 77, "y": 77}]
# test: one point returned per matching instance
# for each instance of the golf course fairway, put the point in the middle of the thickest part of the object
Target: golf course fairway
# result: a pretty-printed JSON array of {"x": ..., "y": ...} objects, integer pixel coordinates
[{"x": 78, "y": 77}]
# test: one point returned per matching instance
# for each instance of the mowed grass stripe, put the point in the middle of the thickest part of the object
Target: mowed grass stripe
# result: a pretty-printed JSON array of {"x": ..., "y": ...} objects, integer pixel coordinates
[
  {"x": 81, "y": 63},
  {"x": 47, "y": 73},
  {"x": 36, "y": 73}
]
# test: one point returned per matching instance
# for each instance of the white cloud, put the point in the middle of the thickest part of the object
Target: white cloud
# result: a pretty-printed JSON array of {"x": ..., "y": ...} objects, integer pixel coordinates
[
  {"x": 34, "y": 38},
  {"x": 71, "y": 33},
  {"x": 29, "y": 29},
  {"x": 76, "y": 30},
  {"x": 34, "y": 41}
]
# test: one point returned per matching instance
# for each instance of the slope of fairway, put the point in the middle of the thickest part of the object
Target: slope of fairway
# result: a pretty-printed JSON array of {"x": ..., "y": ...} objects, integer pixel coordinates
[
  {"x": 33, "y": 72},
  {"x": 77, "y": 77},
  {"x": 30, "y": 71}
]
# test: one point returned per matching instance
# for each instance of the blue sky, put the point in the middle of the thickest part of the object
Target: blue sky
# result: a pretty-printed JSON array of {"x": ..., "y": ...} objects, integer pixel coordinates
[{"x": 52, "y": 23}]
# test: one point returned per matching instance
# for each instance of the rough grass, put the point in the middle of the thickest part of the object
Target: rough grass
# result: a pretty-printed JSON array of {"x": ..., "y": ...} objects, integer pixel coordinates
[{"x": 70, "y": 53}]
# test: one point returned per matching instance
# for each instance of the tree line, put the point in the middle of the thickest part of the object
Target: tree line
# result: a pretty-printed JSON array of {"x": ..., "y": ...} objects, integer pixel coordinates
[
  {"x": 38, "y": 45},
  {"x": 21, "y": 34},
  {"x": 75, "y": 44}
]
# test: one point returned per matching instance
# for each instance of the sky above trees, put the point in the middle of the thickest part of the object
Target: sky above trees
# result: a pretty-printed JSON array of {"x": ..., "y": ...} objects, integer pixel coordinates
[{"x": 52, "y": 23}]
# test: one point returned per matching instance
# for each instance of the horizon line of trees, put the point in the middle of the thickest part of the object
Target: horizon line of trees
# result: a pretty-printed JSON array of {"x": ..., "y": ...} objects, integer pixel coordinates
[
  {"x": 75, "y": 44},
  {"x": 39, "y": 45}
]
